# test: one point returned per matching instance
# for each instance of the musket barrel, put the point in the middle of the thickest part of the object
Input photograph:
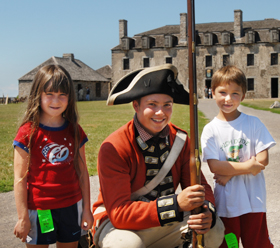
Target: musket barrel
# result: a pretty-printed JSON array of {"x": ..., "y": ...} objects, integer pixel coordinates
[{"x": 195, "y": 164}]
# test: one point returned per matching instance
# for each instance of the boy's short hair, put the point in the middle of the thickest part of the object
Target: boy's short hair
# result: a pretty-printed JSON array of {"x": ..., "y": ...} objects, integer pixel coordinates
[{"x": 228, "y": 74}]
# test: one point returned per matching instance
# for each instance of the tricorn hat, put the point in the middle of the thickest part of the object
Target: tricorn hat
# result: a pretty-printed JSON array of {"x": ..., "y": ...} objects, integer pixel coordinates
[{"x": 153, "y": 80}]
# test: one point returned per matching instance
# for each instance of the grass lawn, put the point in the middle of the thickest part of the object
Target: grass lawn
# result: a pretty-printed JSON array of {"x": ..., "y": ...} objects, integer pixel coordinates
[
  {"x": 97, "y": 119},
  {"x": 261, "y": 104}
]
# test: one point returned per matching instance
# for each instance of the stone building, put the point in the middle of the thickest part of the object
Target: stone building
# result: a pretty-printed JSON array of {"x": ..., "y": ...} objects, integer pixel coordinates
[
  {"x": 82, "y": 75},
  {"x": 253, "y": 46}
]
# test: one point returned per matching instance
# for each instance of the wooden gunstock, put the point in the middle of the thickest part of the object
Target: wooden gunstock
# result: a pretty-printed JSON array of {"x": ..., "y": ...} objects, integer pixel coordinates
[{"x": 195, "y": 163}]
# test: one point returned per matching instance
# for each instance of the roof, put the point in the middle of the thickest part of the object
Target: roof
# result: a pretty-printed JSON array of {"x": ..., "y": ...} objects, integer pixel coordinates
[
  {"x": 78, "y": 70},
  {"x": 215, "y": 27},
  {"x": 106, "y": 71}
]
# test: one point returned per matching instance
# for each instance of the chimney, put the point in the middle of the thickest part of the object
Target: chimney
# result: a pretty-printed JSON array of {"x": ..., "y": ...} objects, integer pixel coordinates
[
  {"x": 69, "y": 56},
  {"x": 183, "y": 29},
  {"x": 238, "y": 24},
  {"x": 122, "y": 29}
]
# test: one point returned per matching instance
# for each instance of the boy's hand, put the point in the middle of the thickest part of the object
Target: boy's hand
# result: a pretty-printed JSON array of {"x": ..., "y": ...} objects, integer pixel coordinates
[
  {"x": 255, "y": 167},
  {"x": 22, "y": 228},
  {"x": 191, "y": 197},
  {"x": 201, "y": 222},
  {"x": 222, "y": 180},
  {"x": 87, "y": 220}
]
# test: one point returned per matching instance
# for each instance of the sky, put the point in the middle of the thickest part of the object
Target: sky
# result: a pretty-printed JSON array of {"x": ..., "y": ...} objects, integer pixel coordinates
[{"x": 32, "y": 31}]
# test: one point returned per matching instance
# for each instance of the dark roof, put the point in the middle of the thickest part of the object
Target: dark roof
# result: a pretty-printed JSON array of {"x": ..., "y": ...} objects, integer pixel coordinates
[
  {"x": 215, "y": 27},
  {"x": 78, "y": 70},
  {"x": 106, "y": 71}
]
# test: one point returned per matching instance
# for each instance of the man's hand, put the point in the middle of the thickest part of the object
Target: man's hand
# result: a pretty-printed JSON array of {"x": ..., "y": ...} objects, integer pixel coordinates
[
  {"x": 201, "y": 223},
  {"x": 191, "y": 197}
]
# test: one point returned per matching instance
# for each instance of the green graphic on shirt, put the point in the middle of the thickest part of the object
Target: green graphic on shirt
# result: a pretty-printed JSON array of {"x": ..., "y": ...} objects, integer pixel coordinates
[
  {"x": 233, "y": 153},
  {"x": 45, "y": 220},
  {"x": 231, "y": 240}
]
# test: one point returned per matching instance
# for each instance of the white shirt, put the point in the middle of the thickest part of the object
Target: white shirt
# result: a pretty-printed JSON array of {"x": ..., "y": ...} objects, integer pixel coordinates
[{"x": 237, "y": 140}]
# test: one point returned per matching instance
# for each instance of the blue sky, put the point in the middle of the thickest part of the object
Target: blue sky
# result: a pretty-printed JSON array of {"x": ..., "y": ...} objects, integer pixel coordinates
[{"x": 34, "y": 30}]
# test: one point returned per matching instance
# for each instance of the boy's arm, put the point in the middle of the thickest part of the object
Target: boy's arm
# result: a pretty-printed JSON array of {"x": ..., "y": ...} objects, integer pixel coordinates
[
  {"x": 263, "y": 157},
  {"x": 87, "y": 218},
  {"x": 23, "y": 225},
  {"x": 229, "y": 168}
]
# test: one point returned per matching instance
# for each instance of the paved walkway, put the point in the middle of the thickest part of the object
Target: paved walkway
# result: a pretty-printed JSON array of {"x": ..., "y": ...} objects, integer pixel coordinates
[{"x": 8, "y": 216}]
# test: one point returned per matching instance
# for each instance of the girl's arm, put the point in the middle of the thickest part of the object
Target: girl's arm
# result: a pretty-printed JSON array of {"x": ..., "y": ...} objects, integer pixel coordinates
[
  {"x": 85, "y": 187},
  {"x": 23, "y": 225}
]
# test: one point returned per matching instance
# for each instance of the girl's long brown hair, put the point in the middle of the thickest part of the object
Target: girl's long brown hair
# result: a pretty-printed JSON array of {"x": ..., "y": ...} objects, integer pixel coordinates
[{"x": 53, "y": 78}]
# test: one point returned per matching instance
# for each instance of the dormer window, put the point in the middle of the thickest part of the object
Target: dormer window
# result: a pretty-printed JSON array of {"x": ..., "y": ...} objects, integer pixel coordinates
[
  {"x": 250, "y": 37},
  {"x": 225, "y": 38},
  {"x": 170, "y": 40},
  {"x": 274, "y": 35},
  {"x": 147, "y": 42},
  {"x": 208, "y": 39},
  {"x": 127, "y": 43}
]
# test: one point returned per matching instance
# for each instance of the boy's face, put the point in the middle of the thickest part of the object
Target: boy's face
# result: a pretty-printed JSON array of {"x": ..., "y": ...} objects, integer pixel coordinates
[
  {"x": 228, "y": 98},
  {"x": 154, "y": 112}
]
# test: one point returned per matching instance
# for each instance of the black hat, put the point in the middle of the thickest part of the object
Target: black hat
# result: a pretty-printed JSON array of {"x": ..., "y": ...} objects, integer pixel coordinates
[{"x": 153, "y": 80}]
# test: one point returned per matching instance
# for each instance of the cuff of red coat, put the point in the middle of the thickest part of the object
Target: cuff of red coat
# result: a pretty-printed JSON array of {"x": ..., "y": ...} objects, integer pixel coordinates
[
  {"x": 213, "y": 211},
  {"x": 168, "y": 210}
]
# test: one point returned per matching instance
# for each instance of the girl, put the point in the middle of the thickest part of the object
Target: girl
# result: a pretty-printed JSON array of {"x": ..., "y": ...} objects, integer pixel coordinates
[{"x": 51, "y": 181}]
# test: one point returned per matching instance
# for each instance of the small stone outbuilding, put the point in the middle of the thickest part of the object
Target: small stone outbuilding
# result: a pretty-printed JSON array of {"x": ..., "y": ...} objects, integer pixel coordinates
[{"x": 82, "y": 75}]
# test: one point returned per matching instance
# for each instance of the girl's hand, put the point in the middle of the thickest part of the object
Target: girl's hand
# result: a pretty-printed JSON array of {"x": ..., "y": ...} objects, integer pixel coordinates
[
  {"x": 87, "y": 220},
  {"x": 22, "y": 228},
  {"x": 222, "y": 180}
]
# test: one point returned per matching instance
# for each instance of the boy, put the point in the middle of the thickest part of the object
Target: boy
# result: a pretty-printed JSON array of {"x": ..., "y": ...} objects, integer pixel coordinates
[
  {"x": 132, "y": 156},
  {"x": 235, "y": 147}
]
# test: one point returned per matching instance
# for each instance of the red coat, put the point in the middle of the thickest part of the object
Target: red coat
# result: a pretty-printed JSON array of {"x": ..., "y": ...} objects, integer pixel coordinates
[{"x": 122, "y": 170}]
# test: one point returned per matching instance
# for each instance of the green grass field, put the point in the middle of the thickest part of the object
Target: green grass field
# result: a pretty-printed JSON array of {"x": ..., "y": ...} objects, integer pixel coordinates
[
  {"x": 261, "y": 104},
  {"x": 97, "y": 119}
]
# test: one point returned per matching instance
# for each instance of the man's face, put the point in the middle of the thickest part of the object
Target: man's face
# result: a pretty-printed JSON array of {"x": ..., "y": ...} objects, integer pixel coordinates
[{"x": 154, "y": 112}]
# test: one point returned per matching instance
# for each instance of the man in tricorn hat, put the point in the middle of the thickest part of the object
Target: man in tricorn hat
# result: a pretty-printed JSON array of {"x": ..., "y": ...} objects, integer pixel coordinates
[{"x": 137, "y": 205}]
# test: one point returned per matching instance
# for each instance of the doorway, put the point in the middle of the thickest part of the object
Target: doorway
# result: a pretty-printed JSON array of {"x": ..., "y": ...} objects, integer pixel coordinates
[{"x": 274, "y": 87}]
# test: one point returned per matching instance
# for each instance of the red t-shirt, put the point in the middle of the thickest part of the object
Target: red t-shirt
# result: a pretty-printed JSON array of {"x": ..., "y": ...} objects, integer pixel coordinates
[{"x": 52, "y": 180}]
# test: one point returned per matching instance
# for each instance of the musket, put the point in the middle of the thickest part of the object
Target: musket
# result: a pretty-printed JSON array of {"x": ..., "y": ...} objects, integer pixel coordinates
[{"x": 195, "y": 163}]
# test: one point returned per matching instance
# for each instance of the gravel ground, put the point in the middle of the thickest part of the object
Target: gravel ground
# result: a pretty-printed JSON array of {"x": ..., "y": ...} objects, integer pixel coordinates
[{"x": 8, "y": 215}]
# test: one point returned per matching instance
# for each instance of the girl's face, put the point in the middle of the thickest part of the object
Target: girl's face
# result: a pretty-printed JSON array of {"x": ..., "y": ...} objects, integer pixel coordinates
[
  {"x": 53, "y": 104},
  {"x": 154, "y": 112}
]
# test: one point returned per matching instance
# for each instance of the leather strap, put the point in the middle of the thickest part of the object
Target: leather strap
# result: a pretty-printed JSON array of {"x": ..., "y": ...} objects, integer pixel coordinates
[{"x": 169, "y": 162}]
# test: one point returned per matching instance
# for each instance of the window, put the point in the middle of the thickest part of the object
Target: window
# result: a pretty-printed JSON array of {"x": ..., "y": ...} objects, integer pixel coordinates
[
  {"x": 208, "y": 60},
  {"x": 225, "y": 59},
  {"x": 125, "y": 63},
  {"x": 146, "y": 62},
  {"x": 98, "y": 90},
  {"x": 250, "y": 84},
  {"x": 168, "y": 60},
  {"x": 250, "y": 59},
  {"x": 274, "y": 59}
]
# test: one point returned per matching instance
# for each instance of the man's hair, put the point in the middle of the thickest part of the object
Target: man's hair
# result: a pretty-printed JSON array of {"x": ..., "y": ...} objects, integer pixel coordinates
[{"x": 228, "y": 74}]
